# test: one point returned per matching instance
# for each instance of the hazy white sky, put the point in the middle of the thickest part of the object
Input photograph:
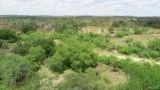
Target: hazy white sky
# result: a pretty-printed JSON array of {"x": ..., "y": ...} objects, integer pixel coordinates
[{"x": 80, "y": 7}]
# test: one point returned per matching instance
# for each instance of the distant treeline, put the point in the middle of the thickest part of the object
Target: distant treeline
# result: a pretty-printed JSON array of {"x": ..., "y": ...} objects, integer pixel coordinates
[{"x": 52, "y": 22}]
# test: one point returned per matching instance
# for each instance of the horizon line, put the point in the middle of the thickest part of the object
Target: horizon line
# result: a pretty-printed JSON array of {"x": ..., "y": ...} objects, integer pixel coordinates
[{"x": 76, "y": 15}]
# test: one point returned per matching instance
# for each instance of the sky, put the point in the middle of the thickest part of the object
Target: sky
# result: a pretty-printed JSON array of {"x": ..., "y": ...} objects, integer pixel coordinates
[{"x": 81, "y": 7}]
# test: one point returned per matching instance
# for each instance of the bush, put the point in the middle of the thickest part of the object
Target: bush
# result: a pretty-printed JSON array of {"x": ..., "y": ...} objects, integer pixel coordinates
[
  {"x": 33, "y": 40},
  {"x": 6, "y": 34},
  {"x": 91, "y": 77},
  {"x": 152, "y": 50},
  {"x": 107, "y": 59},
  {"x": 15, "y": 70},
  {"x": 47, "y": 44},
  {"x": 125, "y": 50},
  {"x": 142, "y": 76},
  {"x": 36, "y": 54},
  {"x": 68, "y": 24},
  {"x": 154, "y": 44},
  {"x": 131, "y": 47},
  {"x": 21, "y": 48},
  {"x": 122, "y": 32},
  {"x": 139, "y": 30},
  {"x": 119, "y": 23},
  {"x": 111, "y": 29},
  {"x": 1, "y": 43},
  {"x": 72, "y": 55},
  {"x": 94, "y": 39},
  {"x": 28, "y": 26}
]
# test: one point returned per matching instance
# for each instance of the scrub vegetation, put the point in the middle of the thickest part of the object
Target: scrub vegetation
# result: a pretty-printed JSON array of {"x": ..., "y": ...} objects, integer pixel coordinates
[{"x": 68, "y": 53}]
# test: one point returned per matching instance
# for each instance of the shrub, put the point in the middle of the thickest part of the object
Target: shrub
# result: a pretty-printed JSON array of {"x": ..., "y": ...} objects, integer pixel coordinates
[
  {"x": 139, "y": 30},
  {"x": 142, "y": 76},
  {"x": 73, "y": 55},
  {"x": 28, "y": 26},
  {"x": 15, "y": 70},
  {"x": 21, "y": 48},
  {"x": 125, "y": 50},
  {"x": 152, "y": 50},
  {"x": 36, "y": 54},
  {"x": 122, "y": 32},
  {"x": 68, "y": 24},
  {"x": 47, "y": 44},
  {"x": 131, "y": 47},
  {"x": 1, "y": 43},
  {"x": 75, "y": 81},
  {"x": 111, "y": 29},
  {"x": 149, "y": 53},
  {"x": 33, "y": 40},
  {"x": 6, "y": 34},
  {"x": 119, "y": 23},
  {"x": 154, "y": 44},
  {"x": 96, "y": 40},
  {"x": 106, "y": 59}
]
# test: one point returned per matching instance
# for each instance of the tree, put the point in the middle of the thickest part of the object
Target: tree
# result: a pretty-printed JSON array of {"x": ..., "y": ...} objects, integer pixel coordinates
[
  {"x": 15, "y": 70},
  {"x": 72, "y": 55},
  {"x": 28, "y": 26},
  {"x": 36, "y": 54},
  {"x": 6, "y": 34}
]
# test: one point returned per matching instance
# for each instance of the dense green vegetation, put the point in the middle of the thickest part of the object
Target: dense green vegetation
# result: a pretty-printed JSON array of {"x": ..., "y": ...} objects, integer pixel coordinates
[
  {"x": 58, "y": 46},
  {"x": 90, "y": 80},
  {"x": 75, "y": 55},
  {"x": 15, "y": 70},
  {"x": 6, "y": 34},
  {"x": 28, "y": 26},
  {"x": 142, "y": 76},
  {"x": 150, "y": 50}
]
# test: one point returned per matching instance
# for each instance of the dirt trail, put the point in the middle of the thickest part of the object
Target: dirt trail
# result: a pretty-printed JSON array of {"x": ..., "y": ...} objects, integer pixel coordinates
[{"x": 122, "y": 56}]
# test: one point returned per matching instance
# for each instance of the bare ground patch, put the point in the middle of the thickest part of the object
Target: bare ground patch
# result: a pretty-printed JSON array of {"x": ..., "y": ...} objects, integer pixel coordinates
[
  {"x": 153, "y": 31},
  {"x": 94, "y": 29},
  {"x": 143, "y": 37}
]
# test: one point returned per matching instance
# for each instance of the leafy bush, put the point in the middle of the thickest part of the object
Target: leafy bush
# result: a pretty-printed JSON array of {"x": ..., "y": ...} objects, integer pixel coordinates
[
  {"x": 47, "y": 44},
  {"x": 21, "y": 48},
  {"x": 119, "y": 23},
  {"x": 36, "y": 54},
  {"x": 142, "y": 76},
  {"x": 139, "y": 30},
  {"x": 154, "y": 44},
  {"x": 91, "y": 77},
  {"x": 28, "y": 26},
  {"x": 151, "y": 50},
  {"x": 122, "y": 32},
  {"x": 68, "y": 24},
  {"x": 111, "y": 29},
  {"x": 125, "y": 50},
  {"x": 15, "y": 70},
  {"x": 107, "y": 59},
  {"x": 1, "y": 43},
  {"x": 72, "y": 55},
  {"x": 6, "y": 34},
  {"x": 97, "y": 40},
  {"x": 33, "y": 40},
  {"x": 131, "y": 47}
]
